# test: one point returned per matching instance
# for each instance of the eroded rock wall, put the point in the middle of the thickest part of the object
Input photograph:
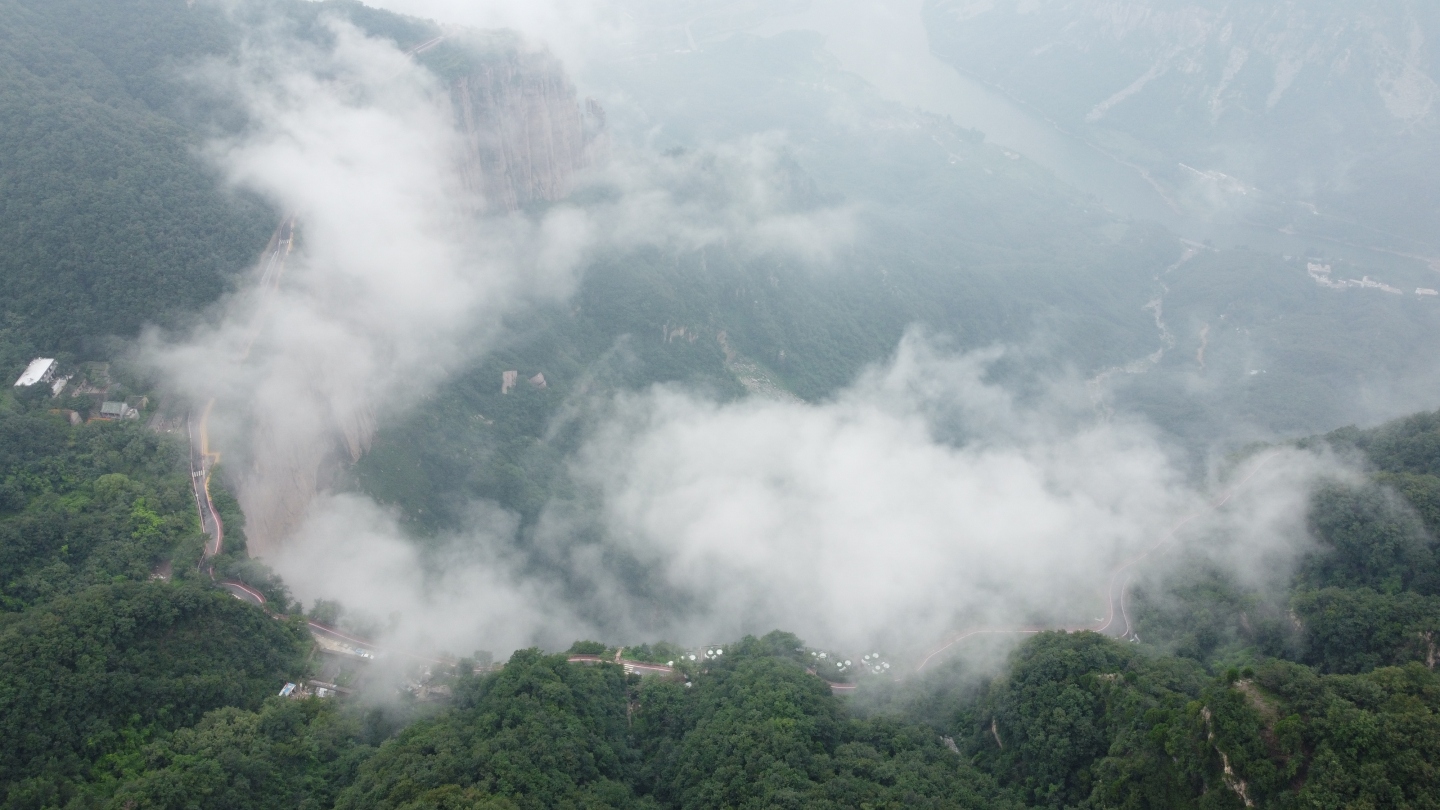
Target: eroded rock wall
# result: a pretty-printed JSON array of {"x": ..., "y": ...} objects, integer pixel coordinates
[{"x": 526, "y": 131}]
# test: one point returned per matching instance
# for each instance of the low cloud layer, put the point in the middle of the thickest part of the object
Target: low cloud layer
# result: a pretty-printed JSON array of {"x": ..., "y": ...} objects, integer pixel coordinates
[
  {"x": 393, "y": 280},
  {"x": 920, "y": 500},
  {"x": 923, "y": 498},
  {"x": 456, "y": 594},
  {"x": 397, "y": 277},
  {"x": 747, "y": 193}
]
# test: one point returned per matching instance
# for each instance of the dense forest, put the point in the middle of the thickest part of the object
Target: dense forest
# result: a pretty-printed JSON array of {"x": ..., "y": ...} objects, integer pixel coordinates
[
  {"x": 110, "y": 637},
  {"x": 143, "y": 232},
  {"x": 123, "y": 688},
  {"x": 111, "y": 217}
]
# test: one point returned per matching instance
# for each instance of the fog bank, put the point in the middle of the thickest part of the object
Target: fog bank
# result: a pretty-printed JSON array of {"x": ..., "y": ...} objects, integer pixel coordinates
[{"x": 921, "y": 500}]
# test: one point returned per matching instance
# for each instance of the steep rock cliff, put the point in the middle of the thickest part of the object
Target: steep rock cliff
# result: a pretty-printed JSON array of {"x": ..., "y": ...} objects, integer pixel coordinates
[
  {"x": 526, "y": 131},
  {"x": 292, "y": 464}
]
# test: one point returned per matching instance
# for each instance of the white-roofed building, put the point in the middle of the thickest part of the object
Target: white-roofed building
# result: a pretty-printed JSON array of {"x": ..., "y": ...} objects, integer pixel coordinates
[{"x": 41, "y": 369}]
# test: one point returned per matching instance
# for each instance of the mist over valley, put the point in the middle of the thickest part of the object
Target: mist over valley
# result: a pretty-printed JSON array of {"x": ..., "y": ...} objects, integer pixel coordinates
[{"x": 714, "y": 404}]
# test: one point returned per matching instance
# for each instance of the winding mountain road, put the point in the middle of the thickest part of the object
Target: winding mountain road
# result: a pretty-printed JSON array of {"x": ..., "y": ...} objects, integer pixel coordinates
[
  {"x": 210, "y": 522},
  {"x": 202, "y": 459}
]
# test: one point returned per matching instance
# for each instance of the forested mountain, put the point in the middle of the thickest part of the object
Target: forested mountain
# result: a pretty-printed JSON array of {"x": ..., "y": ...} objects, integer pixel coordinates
[
  {"x": 123, "y": 692},
  {"x": 110, "y": 215},
  {"x": 108, "y": 638},
  {"x": 962, "y": 237},
  {"x": 130, "y": 679},
  {"x": 109, "y": 220}
]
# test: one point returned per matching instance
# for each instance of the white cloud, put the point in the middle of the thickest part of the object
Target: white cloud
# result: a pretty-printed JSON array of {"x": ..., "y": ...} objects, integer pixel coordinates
[
  {"x": 740, "y": 193},
  {"x": 397, "y": 278},
  {"x": 456, "y": 595},
  {"x": 922, "y": 499},
  {"x": 394, "y": 279}
]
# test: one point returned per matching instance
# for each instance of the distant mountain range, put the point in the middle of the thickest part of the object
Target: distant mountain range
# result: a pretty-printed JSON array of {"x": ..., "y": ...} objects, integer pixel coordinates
[{"x": 1331, "y": 104}]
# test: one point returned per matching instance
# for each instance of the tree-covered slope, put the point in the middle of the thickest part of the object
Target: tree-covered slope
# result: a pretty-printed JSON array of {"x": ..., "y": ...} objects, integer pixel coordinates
[
  {"x": 1084, "y": 721},
  {"x": 109, "y": 636},
  {"x": 108, "y": 216},
  {"x": 288, "y": 755},
  {"x": 86, "y": 674},
  {"x": 755, "y": 731},
  {"x": 1333, "y": 701},
  {"x": 87, "y": 505},
  {"x": 111, "y": 215}
]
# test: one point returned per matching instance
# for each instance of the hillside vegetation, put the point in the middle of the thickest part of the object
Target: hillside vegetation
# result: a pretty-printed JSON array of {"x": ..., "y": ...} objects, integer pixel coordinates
[
  {"x": 123, "y": 692},
  {"x": 110, "y": 637},
  {"x": 110, "y": 219},
  {"x": 128, "y": 680},
  {"x": 111, "y": 216}
]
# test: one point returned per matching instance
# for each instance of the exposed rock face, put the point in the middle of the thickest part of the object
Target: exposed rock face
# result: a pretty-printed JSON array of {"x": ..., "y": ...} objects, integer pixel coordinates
[
  {"x": 526, "y": 130},
  {"x": 527, "y": 135},
  {"x": 291, "y": 465}
]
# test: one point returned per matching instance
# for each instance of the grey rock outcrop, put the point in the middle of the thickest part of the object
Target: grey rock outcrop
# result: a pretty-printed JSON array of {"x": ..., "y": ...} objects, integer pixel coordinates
[{"x": 527, "y": 134}]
